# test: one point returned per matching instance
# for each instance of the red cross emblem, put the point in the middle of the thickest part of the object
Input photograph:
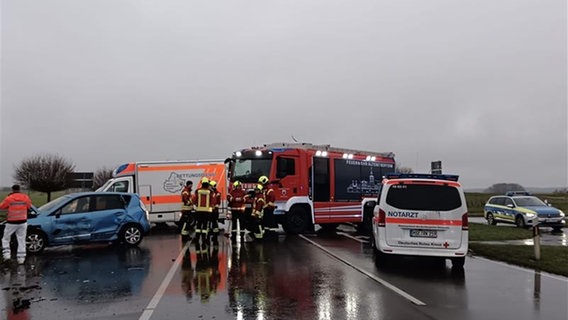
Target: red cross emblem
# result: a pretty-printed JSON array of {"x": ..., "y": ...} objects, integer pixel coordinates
[{"x": 446, "y": 244}]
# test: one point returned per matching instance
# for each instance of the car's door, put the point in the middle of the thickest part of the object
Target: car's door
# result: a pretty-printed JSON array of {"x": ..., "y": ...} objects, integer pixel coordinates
[
  {"x": 107, "y": 215},
  {"x": 499, "y": 209},
  {"x": 509, "y": 209},
  {"x": 71, "y": 222}
]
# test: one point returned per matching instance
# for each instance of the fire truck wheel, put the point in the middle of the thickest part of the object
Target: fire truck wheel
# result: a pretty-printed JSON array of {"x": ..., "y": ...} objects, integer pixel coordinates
[{"x": 296, "y": 220}]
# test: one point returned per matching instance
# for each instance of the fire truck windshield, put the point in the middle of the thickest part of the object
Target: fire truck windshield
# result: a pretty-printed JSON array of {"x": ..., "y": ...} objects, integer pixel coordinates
[{"x": 249, "y": 170}]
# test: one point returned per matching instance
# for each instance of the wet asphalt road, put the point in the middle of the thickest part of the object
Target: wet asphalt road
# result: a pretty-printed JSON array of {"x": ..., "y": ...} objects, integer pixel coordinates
[{"x": 295, "y": 277}]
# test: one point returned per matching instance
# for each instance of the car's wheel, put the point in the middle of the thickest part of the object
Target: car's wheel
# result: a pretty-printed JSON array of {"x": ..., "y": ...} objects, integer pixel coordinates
[
  {"x": 491, "y": 219},
  {"x": 131, "y": 235},
  {"x": 381, "y": 259},
  {"x": 458, "y": 262},
  {"x": 35, "y": 241},
  {"x": 520, "y": 222},
  {"x": 296, "y": 220}
]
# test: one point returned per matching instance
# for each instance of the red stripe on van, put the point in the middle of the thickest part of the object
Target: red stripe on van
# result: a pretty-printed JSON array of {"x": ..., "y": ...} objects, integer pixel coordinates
[{"x": 429, "y": 222}]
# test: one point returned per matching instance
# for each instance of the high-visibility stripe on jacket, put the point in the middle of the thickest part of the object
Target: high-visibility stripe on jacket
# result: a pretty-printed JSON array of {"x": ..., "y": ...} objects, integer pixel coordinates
[
  {"x": 270, "y": 197},
  {"x": 204, "y": 201},
  {"x": 258, "y": 208},
  {"x": 17, "y": 204},
  {"x": 217, "y": 196}
]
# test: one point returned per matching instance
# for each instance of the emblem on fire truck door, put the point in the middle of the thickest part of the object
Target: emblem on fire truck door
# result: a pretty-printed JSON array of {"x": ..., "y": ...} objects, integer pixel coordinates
[{"x": 283, "y": 192}]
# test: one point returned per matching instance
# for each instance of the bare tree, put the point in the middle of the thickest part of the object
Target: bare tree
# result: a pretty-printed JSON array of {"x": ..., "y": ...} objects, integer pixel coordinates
[
  {"x": 44, "y": 173},
  {"x": 101, "y": 176}
]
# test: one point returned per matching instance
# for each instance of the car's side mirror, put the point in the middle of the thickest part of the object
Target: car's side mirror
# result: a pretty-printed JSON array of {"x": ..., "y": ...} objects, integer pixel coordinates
[{"x": 511, "y": 205}]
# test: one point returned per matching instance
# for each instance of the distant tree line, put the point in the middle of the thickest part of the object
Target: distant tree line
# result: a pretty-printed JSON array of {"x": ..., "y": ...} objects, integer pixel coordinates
[{"x": 502, "y": 188}]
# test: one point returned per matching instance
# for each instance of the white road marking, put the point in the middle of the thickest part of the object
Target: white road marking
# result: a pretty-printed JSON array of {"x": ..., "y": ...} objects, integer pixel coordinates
[
  {"x": 393, "y": 288},
  {"x": 352, "y": 237},
  {"x": 149, "y": 310}
]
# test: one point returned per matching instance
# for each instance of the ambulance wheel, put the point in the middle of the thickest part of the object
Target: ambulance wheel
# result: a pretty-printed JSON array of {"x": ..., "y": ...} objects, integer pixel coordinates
[
  {"x": 381, "y": 259},
  {"x": 458, "y": 262},
  {"x": 296, "y": 220}
]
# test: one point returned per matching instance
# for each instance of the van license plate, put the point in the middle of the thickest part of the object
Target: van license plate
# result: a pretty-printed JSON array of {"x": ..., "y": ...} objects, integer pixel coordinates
[{"x": 423, "y": 233}]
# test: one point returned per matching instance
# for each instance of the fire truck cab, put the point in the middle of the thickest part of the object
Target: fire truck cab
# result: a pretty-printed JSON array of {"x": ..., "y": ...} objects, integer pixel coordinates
[{"x": 315, "y": 184}]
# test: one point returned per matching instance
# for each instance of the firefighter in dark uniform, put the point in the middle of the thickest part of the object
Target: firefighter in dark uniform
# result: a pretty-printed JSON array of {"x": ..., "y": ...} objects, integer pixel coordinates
[
  {"x": 268, "y": 221},
  {"x": 187, "y": 220},
  {"x": 236, "y": 200},
  {"x": 214, "y": 222},
  {"x": 255, "y": 225},
  {"x": 204, "y": 203}
]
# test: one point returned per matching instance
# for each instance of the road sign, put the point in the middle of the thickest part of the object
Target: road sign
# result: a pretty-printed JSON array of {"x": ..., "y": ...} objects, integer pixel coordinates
[{"x": 436, "y": 167}]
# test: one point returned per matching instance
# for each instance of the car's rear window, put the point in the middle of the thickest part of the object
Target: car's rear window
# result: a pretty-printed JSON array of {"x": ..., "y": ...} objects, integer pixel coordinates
[{"x": 423, "y": 197}]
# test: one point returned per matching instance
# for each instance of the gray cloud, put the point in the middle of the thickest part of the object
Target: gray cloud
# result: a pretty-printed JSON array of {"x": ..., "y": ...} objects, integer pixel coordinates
[{"x": 480, "y": 85}]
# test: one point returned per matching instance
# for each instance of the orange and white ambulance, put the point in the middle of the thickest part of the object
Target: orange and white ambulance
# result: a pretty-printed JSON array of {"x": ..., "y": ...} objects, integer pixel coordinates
[
  {"x": 421, "y": 215},
  {"x": 159, "y": 184}
]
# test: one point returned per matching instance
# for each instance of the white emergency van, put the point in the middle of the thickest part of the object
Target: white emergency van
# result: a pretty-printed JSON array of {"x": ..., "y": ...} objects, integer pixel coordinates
[
  {"x": 159, "y": 184},
  {"x": 421, "y": 215}
]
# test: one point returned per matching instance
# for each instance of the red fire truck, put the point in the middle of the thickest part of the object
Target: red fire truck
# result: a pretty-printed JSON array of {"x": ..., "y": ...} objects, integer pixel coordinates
[{"x": 315, "y": 184}]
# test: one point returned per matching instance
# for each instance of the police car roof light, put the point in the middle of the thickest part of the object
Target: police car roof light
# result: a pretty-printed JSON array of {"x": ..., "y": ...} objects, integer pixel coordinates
[
  {"x": 449, "y": 177},
  {"x": 517, "y": 193}
]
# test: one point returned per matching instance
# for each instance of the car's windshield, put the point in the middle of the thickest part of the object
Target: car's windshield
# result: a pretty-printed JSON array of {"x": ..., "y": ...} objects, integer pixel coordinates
[
  {"x": 53, "y": 203},
  {"x": 528, "y": 201}
]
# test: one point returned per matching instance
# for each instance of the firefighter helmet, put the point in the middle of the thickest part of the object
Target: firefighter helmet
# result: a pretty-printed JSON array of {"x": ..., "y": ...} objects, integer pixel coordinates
[
  {"x": 258, "y": 187},
  {"x": 212, "y": 183},
  {"x": 263, "y": 180},
  {"x": 236, "y": 184},
  {"x": 204, "y": 180}
]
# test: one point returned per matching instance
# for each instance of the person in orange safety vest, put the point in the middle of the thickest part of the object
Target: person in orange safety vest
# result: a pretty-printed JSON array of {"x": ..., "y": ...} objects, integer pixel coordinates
[
  {"x": 18, "y": 205},
  {"x": 204, "y": 202}
]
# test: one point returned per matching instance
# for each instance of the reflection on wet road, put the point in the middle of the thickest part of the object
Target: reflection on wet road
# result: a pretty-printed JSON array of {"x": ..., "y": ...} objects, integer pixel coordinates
[
  {"x": 285, "y": 279},
  {"x": 295, "y": 277}
]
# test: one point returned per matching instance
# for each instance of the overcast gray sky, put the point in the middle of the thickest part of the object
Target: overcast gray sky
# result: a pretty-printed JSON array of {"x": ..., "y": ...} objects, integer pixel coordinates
[{"x": 480, "y": 85}]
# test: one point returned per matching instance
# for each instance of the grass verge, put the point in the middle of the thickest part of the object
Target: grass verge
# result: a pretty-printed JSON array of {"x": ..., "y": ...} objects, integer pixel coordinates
[
  {"x": 485, "y": 232},
  {"x": 553, "y": 259}
]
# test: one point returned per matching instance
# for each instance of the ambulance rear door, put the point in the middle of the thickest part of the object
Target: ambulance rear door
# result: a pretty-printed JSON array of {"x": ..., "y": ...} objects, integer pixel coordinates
[{"x": 424, "y": 214}]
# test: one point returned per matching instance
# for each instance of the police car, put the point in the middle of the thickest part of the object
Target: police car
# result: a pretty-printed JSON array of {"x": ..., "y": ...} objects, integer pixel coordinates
[
  {"x": 421, "y": 215},
  {"x": 523, "y": 210}
]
